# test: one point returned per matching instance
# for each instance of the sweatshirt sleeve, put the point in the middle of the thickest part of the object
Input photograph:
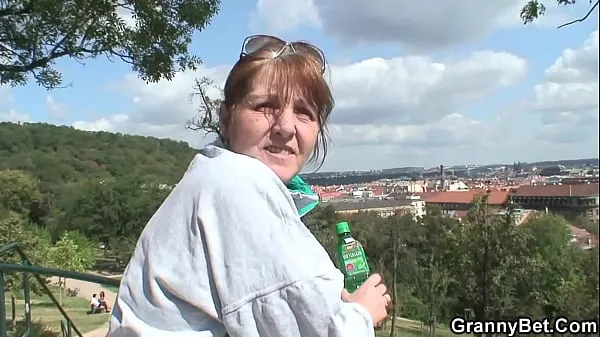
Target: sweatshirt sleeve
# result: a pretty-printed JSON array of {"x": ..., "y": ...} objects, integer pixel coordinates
[
  {"x": 272, "y": 276},
  {"x": 304, "y": 308}
]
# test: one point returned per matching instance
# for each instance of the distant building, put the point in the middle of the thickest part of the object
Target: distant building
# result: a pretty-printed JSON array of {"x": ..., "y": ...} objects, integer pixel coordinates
[
  {"x": 569, "y": 200},
  {"x": 457, "y": 203},
  {"x": 583, "y": 238},
  {"x": 384, "y": 208},
  {"x": 457, "y": 185}
]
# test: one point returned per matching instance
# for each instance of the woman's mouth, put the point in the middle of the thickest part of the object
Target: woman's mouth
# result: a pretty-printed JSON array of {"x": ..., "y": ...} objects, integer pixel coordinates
[{"x": 280, "y": 150}]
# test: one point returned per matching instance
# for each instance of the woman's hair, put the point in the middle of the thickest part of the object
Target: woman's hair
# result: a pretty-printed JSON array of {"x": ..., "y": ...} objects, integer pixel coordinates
[{"x": 294, "y": 73}]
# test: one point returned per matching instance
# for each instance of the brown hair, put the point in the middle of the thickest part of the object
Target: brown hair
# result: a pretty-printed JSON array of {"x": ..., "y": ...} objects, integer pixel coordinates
[{"x": 297, "y": 73}]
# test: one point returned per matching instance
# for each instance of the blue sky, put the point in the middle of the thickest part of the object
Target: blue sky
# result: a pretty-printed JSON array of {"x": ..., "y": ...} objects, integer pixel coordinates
[{"x": 454, "y": 83}]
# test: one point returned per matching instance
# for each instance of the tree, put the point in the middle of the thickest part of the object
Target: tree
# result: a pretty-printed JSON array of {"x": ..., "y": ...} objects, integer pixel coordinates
[
  {"x": 35, "y": 242},
  {"x": 73, "y": 252},
  {"x": 489, "y": 262},
  {"x": 400, "y": 229},
  {"x": 36, "y": 33},
  {"x": 535, "y": 8},
  {"x": 321, "y": 223},
  {"x": 435, "y": 245},
  {"x": 21, "y": 193},
  {"x": 114, "y": 211},
  {"x": 207, "y": 118},
  {"x": 559, "y": 275}
]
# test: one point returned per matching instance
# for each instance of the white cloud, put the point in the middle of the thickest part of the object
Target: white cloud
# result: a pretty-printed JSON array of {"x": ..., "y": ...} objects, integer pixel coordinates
[
  {"x": 158, "y": 109},
  {"x": 413, "y": 102},
  {"x": 418, "y": 24},
  {"x": 7, "y": 112},
  {"x": 567, "y": 98},
  {"x": 417, "y": 90},
  {"x": 55, "y": 109},
  {"x": 274, "y": 16}
]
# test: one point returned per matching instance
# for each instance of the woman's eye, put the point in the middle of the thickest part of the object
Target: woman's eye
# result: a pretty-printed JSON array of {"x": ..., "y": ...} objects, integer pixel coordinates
[
  {"x": 264, "y": 107},
  {"x": 305, "y": 113}
]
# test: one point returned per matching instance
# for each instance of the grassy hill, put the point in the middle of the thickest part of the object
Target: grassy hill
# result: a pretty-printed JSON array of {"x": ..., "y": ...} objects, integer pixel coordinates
[{"x": 60, "y": 155}]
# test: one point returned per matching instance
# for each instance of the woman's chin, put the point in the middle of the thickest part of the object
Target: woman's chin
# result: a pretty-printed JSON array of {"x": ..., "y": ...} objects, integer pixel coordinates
[{"x": 285, "y": 173}]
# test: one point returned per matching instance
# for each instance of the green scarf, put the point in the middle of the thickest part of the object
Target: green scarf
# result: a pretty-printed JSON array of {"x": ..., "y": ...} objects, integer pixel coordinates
[{"x": 304, "y": 197}]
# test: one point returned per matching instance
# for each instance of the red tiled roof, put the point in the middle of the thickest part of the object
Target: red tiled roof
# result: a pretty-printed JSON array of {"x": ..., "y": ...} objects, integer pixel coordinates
[
  {"x": 583, "y": 237},
  {"x": 575, "y": 190},
  {"x": 466, "y": 197},
  {"x": 425, "y": 195},
  {"x": 578, "y": 232}
]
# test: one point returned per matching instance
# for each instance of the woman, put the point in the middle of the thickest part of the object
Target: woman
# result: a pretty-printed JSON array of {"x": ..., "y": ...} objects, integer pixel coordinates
[
  {"x": 102, "y": 301},
  {"x": 227, "y": 253}
]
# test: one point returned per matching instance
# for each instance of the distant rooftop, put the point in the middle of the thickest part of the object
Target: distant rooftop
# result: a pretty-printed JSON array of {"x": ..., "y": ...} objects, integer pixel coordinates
[
  {"x": 574, "y": 190},
  {"x": 464, "y": 197},
  {"x": 348, "y": 205}
]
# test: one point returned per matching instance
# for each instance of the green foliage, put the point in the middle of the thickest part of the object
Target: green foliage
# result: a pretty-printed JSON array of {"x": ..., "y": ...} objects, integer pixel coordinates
[
  {"x": 558, "y": 265},
  {"x": 21, "y": 193},
  {"x": 435, "y": 243},
  {"x": 73, "y": 252},
  {"x": 319, "y": 222},
  {"x": 486, "y": 263},
  {"x": 114, "y": 212},
  {"x": 38, "y": 329},
  {"x": 59, "y": 156},
  {"x": 37, "y": 33},
  {"x": 533, "y": 9},
  {"x": 14, "y": 227},
  {"x": 106, "y": 186},
  {"x": 490, "y": 262},
  {"x": 585, "y": 223}
]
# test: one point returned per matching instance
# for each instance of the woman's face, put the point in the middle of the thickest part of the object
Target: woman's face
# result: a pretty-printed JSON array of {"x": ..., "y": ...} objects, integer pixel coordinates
[{"x": 282, "y": 137}]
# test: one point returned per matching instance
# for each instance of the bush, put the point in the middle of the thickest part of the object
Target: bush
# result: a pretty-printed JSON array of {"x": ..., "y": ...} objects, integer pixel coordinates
[{"x": 37, "y": 330}]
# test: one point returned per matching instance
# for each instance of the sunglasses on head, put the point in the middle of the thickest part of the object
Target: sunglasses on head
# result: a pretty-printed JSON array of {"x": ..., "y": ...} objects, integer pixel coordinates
[{"x": 254, "y": 43}]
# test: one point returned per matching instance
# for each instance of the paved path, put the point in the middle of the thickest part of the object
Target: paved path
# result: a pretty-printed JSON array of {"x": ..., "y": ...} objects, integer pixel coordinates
[{"x": 86, "y": 289}]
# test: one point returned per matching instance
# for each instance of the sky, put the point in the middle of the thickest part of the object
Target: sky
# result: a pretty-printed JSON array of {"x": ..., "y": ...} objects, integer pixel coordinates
[{"x": 416, "y": 83}]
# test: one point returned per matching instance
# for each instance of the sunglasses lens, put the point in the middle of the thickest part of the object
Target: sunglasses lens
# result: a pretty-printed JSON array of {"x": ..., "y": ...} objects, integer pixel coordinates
[
  {"x": 256, "y": 43},
  {"x": 312, "y": 50}
]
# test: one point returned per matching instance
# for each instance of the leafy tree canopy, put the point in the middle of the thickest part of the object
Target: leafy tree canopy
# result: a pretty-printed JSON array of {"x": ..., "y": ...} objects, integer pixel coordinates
[
  {"x": 533, "y": 9},
  {"x": 36, "y": 33}
]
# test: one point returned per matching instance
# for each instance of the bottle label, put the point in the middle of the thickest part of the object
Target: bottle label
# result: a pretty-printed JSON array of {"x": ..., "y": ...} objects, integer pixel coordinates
[{"x": 354, "y": 259}]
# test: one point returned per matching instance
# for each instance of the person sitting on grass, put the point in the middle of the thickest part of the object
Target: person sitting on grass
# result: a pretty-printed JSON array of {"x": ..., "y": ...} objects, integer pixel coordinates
[
  {"x": 96, "y": 305},
  {"x": 103, "y": 302}
]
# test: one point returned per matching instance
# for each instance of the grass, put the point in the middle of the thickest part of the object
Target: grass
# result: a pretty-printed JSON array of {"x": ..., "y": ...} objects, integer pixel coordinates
[
  {"x": 114, "y": 289},
  {"x": 409, "y": 328},
  {"x": 44, "y": 311}
]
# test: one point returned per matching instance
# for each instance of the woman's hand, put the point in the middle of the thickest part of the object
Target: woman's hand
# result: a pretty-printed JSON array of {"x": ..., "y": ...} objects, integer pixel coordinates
[{"x": 373, "y": 296}]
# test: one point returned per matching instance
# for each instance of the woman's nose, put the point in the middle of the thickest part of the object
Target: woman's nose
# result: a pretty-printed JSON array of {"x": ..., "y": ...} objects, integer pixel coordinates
[{"x": 284, "y": 123}]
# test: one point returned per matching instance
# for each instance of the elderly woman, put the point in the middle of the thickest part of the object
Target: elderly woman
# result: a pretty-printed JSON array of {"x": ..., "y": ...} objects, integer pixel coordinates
[{"x": 227, "y": 253}]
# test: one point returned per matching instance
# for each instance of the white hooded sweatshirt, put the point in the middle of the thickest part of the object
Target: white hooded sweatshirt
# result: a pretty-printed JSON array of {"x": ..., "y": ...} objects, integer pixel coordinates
[{"x": 227, "y": 254}]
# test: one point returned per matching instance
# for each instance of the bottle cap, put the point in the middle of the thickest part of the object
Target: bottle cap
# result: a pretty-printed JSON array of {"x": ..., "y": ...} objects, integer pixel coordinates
[{"x": 342, "y": 227}]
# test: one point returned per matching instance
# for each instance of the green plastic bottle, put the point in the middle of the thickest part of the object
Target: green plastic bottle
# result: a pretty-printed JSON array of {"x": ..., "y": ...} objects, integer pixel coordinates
[{"x": 351, "y": 257}]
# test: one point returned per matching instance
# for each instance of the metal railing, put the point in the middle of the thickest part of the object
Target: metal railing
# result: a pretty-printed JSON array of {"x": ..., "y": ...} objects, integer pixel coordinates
[{"x": 26, "y": 267}]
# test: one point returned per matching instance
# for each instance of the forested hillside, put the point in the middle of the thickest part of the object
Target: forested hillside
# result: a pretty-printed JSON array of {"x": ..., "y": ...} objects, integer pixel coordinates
[
  {"x": 103, "y": 185},
  {"x": 60, "y": 154}
]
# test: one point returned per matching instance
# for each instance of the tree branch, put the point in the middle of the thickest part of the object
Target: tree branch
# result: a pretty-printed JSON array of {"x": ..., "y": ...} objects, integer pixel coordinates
[{"x": 580, "y": 19}]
